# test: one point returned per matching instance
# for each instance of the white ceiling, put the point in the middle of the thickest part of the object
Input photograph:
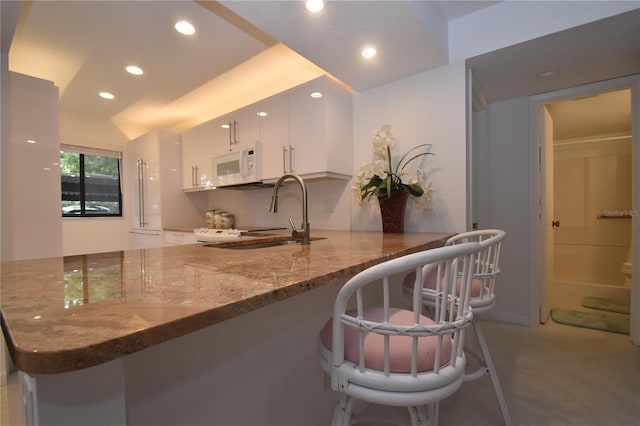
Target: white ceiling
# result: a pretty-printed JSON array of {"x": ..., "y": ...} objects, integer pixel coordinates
[
  {"x": 598, "y": 51},
  {"x": 604, "y": 114},
  {"x": 245, "y": 51},
  {"x": 83, "y": 47},
  {"x": 410, "y": 36}
]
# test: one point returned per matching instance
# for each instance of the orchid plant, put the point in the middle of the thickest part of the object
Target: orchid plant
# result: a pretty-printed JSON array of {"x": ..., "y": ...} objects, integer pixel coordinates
[{"x": 384, "y": 176}]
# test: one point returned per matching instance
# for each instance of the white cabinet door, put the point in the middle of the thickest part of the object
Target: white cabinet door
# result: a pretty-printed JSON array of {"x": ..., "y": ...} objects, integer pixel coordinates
[
  {"x": 237, "y": 130},
  {"x": 31, "y": 183},
  {"x": 307, "y": 146},
  {"x": 223, "y": 135},
  {"x": 247, "y": 126},
  {"x": 274, "y": 135},
  {"x": 143, "y": 167},
  {"x": 320, "y": 129},
  {"x": 197, "y": 151}
]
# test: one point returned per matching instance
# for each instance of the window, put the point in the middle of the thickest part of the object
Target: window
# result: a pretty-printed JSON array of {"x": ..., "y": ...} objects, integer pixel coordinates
[{"x": 90, "y": 181}]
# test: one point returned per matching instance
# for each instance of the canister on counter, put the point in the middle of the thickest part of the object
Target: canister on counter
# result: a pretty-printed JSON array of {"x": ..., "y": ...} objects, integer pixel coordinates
[
  {"x": 227, "y": 220},
  {"x": 209, "y": 219},
  {"x": 217, "y": 215}
]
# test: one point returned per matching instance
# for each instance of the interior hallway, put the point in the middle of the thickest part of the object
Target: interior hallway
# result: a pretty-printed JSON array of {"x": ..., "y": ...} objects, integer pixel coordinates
[{"x": 551, "y": 375}]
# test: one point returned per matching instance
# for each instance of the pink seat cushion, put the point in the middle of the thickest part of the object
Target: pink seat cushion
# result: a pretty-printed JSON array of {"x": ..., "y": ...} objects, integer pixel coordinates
[
  {"x": 399, "y": 346},
  {"x": 430, "y": 282}
]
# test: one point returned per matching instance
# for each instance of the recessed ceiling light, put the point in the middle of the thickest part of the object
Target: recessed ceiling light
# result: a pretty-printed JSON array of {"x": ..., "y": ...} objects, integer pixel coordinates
[
  {"x": 548, "y": 73},
  {"x": 31, "y": 141},
  {"x": 184, "y": 27},
  {"x": 369, "y": 52},
  {"x": 262, "y": 114},
  {"x": 135, "y": 70},
  {"x": 225, "y": 126},
  {"x": 316, "y": 95},
  {"x": 314, "y": 5},
  {"x": 106, "y": 95}
]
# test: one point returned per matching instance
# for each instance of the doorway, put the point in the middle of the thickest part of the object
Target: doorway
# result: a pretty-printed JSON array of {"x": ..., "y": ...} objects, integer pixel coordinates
[
  {"x": 545, "y": 223},
  {"x": 589, "y": 197}
]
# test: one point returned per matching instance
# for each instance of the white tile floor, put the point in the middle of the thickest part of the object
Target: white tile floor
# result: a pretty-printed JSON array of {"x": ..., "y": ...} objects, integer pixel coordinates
[{"x": 551, "y": 375}]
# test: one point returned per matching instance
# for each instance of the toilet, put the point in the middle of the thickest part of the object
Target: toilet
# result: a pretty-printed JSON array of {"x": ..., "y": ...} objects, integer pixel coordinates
[{"x": 626, "y": 270}]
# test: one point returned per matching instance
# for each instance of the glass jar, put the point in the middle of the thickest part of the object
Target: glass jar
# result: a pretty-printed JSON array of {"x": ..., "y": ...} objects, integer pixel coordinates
[
  {"x": 227, "y": 220},
  {"x": 217, "y": 215},
  {"x": 209, "y": 219}
]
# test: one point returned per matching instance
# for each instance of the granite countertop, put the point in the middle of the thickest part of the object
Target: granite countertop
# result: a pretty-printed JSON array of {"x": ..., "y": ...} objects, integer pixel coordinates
[{"x": 68, "y": 313}]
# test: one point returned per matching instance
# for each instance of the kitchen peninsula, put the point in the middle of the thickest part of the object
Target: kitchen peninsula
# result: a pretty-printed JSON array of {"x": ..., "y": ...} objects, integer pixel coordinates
[{"x": 183, "y": 334}]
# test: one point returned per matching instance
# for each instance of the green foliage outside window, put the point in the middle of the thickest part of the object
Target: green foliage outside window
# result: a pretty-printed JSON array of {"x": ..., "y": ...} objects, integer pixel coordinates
[{"x": 90, "y": 184}]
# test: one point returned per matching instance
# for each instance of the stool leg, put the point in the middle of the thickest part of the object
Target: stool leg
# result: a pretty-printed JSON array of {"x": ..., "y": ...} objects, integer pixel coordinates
[
  {"x": 420, "y": 416},
  {"x": 491, "y": 370},
  {"x": 342, "y": 413}
]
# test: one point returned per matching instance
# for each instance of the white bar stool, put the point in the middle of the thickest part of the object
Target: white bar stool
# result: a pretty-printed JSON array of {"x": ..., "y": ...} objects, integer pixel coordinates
[
  {"x": 483, "y": 299},
  {"x": 397, "y": 357}
]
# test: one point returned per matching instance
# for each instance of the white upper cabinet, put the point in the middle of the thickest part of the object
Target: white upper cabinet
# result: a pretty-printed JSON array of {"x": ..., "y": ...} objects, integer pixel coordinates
[
  {"x": 197, "y": 150},
  {"x": 305, "y": 130},
  {"x": 274, "y": 134},
  {"x": 236, "y": 130},
  {"x": 319, "y": 133},
  {"x": 320, "y": 130}
]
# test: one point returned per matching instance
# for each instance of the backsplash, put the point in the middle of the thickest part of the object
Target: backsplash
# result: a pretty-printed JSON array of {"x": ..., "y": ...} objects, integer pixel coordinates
[{"x": 328, "y": 202}]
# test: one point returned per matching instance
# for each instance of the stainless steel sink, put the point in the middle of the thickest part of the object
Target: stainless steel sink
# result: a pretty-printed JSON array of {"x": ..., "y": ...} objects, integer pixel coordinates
[{"x": 256, "y": 244}]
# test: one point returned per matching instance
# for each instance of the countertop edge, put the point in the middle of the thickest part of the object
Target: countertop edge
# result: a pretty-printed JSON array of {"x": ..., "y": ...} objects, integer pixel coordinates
[{"x": 64, "y": 361}]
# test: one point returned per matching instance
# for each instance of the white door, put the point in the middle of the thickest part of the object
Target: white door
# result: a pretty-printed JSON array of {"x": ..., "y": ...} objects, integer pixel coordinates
[
  {"x": 546, "y": 222},
  {"x": 635, "y": 224}
]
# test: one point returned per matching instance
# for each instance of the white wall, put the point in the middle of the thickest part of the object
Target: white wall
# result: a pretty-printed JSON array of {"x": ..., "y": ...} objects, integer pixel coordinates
[
  {"x": 329, "y": 205},
  {"x": 93, "y": 235},
  {"x": 425, "y": 108},
  {"x": 503, "y": 201}
]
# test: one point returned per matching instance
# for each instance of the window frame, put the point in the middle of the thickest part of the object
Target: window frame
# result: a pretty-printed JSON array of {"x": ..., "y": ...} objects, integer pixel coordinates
[{"x": 82, "y": 152}]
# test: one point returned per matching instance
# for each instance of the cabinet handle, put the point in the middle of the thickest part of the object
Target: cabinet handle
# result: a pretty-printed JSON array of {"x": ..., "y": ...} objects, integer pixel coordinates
[
  {"x": 193, "y": 176},
  {"x": 141, "y": 195},
  {"x": 139, "y": 181},
  {"x": 284, "y": 160},
  {"x": 197, "y": 177},
  {"x": 290, "y": 158},
  {"x": 230, "y": 130},
  {"x": 235, "y": 132},
  {"x": 144, "y": 193}
]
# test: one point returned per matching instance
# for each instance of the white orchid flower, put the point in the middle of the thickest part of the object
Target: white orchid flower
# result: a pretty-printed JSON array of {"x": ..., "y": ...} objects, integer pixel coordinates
[{"x": 386, "y": 174}]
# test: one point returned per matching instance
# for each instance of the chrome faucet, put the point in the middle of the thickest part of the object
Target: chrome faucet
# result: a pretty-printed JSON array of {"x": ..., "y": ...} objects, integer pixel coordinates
[{"x": 296, "y": 233}]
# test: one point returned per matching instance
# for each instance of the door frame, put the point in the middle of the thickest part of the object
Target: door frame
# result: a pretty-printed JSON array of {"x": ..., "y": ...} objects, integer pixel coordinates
[
  {"x": 545, "y": 206},
  {"x": 537, "y": 166}
]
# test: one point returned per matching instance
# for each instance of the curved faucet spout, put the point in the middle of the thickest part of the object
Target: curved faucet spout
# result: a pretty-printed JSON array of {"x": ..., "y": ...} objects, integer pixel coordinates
[{"x": 304, "y": 232}]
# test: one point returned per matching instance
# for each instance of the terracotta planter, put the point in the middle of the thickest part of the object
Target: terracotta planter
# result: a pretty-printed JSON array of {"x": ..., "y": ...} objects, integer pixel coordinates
[{"x": 392, "y": 211}]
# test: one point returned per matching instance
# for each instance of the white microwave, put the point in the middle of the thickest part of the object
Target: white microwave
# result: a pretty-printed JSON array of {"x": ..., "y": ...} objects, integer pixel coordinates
[{"x": 238, "y": 167}]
